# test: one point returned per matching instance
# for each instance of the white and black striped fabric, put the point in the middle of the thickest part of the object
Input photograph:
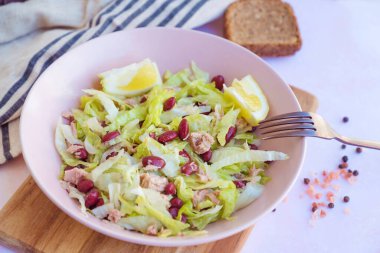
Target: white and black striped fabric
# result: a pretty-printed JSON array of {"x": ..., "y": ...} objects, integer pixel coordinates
[{"x": 115, "y": 16}]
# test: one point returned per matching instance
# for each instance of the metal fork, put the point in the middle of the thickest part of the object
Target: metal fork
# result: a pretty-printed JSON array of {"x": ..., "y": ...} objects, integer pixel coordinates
[{"x": 305, "y": 124}]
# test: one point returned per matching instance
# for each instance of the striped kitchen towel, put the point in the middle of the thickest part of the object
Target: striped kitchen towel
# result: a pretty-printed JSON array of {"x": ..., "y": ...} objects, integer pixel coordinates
[{"x": 35, "y": 33}]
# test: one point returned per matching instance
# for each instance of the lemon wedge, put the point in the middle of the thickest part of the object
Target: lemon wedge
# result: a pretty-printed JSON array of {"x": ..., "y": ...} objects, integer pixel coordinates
[
  {"x": 248, "y": 96},
  {"x": 131, "y": 80}
]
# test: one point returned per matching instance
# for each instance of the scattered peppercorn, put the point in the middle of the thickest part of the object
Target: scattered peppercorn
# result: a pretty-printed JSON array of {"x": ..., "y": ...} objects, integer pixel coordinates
[
  {"x": 314, "y": 209},
  {"x": 345, "y": 119},
  {"x": 344, "y": 165},
  {"x": 340, "y": 166},
  {"x": 355, "y": 173},
  {"x": 345, "y": 159},
  {"x": 346, "y": 199},
  {"x": 343, "y": 146},
  {"x": 359, "y": 150},
  {"x": 331, "y": 205},
  {"x": 306, "y": 181},
  {"x": 349, "y": 171},
  {"x": 274, "y": 210}
]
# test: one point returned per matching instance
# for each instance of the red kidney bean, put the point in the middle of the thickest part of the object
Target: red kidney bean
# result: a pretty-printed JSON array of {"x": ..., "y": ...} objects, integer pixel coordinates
[
  {"x": 239, "y": 183},
  {"x": 170, "y": 189},
  {"x": 110, "y": 135},
  {"x": 68, "y": 167},
  {"x": 68, "y": 120},
  {"x": 183, "y": 129},
  {"x": 230, "y": 134},
  {"x": 92, "y": 198},
  {"x": 85, "y": 185},
  {"x": 173, "y": 212},
  {"x": 218, "y": 81},
  {"x": 167, "y": 136},
  {"x": 176, "y": 202},
  {"x": 189, "y": 168},
  {"x": 183, "y": 153},
  {"x": 184, "y": 218},
  {"x": 253, "y": 147},
  {"x": 112, "y": 154},
  {"x": 153, "y": 160},
  {"x": 81, "y": 154},
  {"x": 169, "y": 103},
  {"x": 143, "y": 99},
  {"x": 100, "y": 202},
  {"x": 207, "y": 156}
]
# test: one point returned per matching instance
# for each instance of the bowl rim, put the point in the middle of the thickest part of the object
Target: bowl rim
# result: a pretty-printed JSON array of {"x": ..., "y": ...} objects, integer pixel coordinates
[{"x": 156, "y": 241}]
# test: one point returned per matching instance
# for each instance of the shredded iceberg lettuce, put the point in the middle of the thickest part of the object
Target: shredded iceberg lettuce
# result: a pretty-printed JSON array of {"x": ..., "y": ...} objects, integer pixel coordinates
[{"x": 147, "y": 181}]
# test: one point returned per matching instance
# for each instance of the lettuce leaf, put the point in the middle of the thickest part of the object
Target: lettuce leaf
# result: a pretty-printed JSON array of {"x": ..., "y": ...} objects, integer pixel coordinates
[
  {"x": 183, "y": 192},
  {"x": 60, "y": 145},
  {"x": 199, "y": 122},
  {"x": 114, "y": 190},
  {"x": 95, "y": 173},
  {"x": 156, "y": 98},
  {"x": 228, "y": 120},
  {"x": 140, "y": 223},
  {"x": 247, "y": 156},
  {"x": 181, "y": 77},
  {"x": 174, "y": 225},
  {"x": 201, "y": 219},
  {"x": 199, "y": 74},
  {"x": 107, "y": 103},
  {"x": 101, "y": 212},
  {"x": 156, "y": 199},
  {"x": 68, "y": 134},
  {"x": 228, "y": 198},
  {"x": 251, "y": 192},
  {"x": 93, "y": 143}
]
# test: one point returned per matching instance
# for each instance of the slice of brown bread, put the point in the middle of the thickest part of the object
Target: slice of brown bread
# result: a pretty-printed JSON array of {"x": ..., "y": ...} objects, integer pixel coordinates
[{"x": 267, "y": 27}]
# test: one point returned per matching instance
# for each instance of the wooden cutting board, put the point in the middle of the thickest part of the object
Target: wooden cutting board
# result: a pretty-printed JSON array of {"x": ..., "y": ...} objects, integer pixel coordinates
[{"x": 30, "y": 222}]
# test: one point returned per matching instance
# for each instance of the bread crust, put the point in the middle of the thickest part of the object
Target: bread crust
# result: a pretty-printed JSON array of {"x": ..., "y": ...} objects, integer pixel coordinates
[{"x": 268, "y": 49}]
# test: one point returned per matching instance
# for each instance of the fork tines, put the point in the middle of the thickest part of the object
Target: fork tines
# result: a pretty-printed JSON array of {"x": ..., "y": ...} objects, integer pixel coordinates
[{"x": 287, "y": 125}]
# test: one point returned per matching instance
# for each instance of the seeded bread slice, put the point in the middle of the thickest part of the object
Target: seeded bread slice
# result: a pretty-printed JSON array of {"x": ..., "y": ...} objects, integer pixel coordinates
[{"x": 266, "y": 27}]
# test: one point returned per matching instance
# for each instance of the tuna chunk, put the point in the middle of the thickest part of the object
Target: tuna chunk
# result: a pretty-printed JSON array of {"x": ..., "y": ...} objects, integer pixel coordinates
[
  {"x": 114, "y": 215},
  {"x": 201, "y": 142},
  {"x": 152, "y": 181},
  {"x": 74, "y": 175}
]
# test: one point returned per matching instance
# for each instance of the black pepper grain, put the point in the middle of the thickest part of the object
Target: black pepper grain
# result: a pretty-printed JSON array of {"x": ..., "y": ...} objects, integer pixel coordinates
[
  {"x": 345, "y": 159},
  {"x": 331, "y": 205},
  {"x": 343, "y": 146},
  {"x": 349, "y": 171},
  {"x": 345, "y": 119},
  {"x": 358, "y": 150},
  {"x": 346, "y": 199},
  {"x": 274, "y": 210},
  {"x": 314, "y": 209},
  {"x": 306, "y": 181},
  {"x": 340, "y": 166},
  {"x": 355, "y": 173}
]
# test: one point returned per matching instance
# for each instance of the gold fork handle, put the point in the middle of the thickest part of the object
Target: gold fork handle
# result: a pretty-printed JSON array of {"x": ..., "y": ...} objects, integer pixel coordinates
[{"x": 359, "y": 143}]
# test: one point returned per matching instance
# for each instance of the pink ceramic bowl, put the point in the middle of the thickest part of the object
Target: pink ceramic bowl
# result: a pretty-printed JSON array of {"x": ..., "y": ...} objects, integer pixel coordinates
[{"x": 59, "y": 89}]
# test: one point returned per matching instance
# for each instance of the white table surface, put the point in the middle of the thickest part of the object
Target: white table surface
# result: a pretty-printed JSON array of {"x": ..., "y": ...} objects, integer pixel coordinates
[{"x": 340, "y": 63}]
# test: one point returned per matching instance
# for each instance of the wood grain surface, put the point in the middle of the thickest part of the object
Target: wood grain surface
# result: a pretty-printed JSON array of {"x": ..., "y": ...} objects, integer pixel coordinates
[{"x": 30, "y": 222}]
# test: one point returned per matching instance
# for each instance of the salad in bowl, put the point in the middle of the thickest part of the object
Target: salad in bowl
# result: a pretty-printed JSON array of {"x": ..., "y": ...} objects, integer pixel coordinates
[{"x": 164, "y": 156}]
